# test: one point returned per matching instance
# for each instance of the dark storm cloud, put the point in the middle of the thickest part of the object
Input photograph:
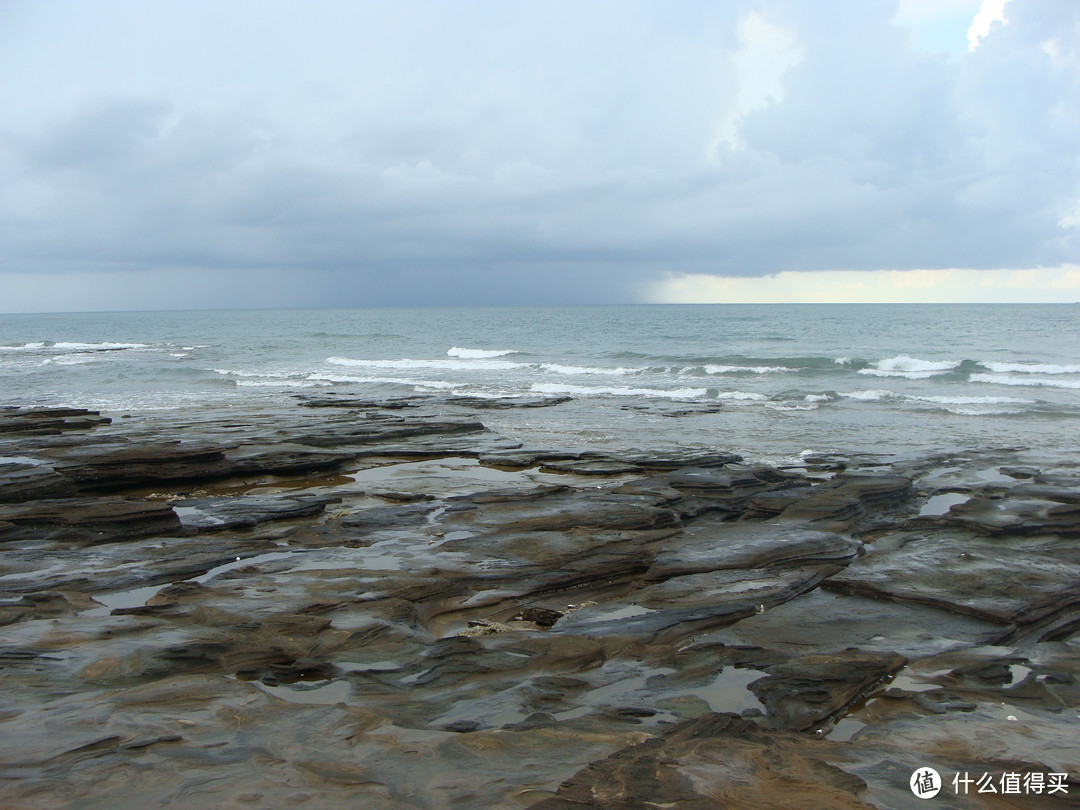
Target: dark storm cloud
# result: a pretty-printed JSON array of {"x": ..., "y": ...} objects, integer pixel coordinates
[{"x": 438, "y": 152}]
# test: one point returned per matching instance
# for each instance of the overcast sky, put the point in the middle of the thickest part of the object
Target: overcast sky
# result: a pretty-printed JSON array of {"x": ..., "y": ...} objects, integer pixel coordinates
[{"x": 191, "y": 153}]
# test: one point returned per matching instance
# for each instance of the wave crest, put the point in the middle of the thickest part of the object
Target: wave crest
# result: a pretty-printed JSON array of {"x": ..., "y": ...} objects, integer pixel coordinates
[
  {"x": 1016, "y": 379},
  {"x": 617, "y": 391},
  {"x": 477, "y": 354},
  {"x": 910, "y": 367}
]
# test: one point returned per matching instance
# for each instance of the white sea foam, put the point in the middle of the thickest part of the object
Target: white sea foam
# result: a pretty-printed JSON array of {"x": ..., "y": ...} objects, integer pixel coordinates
[
  {"x": 478, "y": 354},
  {"x": 556, "y": 368},
  {"x": 342, "y": 378},
  {"x": 23, "y": 347},
  {"x": 582, "y": 390},
  {"x": 92, "y": 347},
  {"x": 74, "y": 359},
  {"x": 910, "y": 367},
  {"x": 790, "y": 406},
  {"x": 873, "y": 395},
  {"x": 1031, "y": 368},
  {"x": 267, "y": 379},
  {"x": 818, "y": 398},
  {"x": 236, "y": 373},
  {"x": 974, "y": 400},
  {"x": 279, "y": 383},
  {"x": 842, "y": 361},
  {"x": 1019, "y": 379},
  {"x": 742, "y": 395},
  {"x": 978, "y": 412},
  {"x": 713, "y": 369},
  {"x": 448, "y": 365}
]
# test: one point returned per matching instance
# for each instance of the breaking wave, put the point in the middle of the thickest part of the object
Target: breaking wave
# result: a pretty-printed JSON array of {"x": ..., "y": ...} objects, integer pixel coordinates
[
  {"x": 910, "y": 367},
  {"x": 617, "y": 391},
  {"x": 1018, "y": 379},
  {"x": 478, "y": 354}
]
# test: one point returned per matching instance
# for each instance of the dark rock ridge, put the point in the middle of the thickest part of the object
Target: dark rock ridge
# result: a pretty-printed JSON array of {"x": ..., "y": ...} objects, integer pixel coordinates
[
  {"x": 86, "y": 520},
  {"x": 47, "y": 421},
  {"x": 385, "y": 604}
]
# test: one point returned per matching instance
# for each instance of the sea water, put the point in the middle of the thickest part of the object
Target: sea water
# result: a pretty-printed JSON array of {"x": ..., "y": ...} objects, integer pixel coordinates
[{"x": 768, "y": 381}]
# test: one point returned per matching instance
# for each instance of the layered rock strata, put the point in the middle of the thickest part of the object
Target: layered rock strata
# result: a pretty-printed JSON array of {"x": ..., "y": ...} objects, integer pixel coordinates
[{"x": 387, "y": 605}]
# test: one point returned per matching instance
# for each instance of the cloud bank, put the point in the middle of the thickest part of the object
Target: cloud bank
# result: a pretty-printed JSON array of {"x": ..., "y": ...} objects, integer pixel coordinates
[{"x": 275, "y": 153}]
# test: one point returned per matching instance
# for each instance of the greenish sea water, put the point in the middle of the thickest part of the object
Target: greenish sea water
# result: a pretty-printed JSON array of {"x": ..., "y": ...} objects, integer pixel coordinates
[{"x": 769, "y": 381}]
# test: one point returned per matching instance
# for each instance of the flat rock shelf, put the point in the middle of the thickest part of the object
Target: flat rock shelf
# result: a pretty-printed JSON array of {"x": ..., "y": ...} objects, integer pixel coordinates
[{"x": 349, "y": 603}]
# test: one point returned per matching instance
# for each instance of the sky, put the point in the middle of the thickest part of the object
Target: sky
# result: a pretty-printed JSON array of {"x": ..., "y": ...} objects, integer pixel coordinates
[{"x": 262, "y": 153}]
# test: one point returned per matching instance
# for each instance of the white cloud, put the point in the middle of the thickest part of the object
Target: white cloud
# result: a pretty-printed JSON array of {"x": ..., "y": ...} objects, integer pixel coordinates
[
  {"x": 937, "y": 25},
  {"x": 766, "y": 52},
  {"x": 990, "y": 12}
]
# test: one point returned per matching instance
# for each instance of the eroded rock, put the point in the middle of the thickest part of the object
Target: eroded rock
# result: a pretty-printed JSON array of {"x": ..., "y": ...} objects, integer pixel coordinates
[{"x": 473, "y": 630}]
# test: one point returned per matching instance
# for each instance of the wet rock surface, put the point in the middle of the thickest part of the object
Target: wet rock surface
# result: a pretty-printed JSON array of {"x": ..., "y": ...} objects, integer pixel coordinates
[{"x": 385, "y": 604}]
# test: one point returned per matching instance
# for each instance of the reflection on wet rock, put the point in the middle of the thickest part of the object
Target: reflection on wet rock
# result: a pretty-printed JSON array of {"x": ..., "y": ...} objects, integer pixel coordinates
[{"x": 385, "y": 604}]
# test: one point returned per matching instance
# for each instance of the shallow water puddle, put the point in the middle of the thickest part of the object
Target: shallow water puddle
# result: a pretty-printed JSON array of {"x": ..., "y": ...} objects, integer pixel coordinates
[
  {"x": 369, "y": 666},
  {"x": 910, "y": 684},
  {"x": 597, "y": 613},
  {"x": 845, "y": 729},
  {"x": 993, "y": 475},
  {"x": 941, "y": 471},
  {"x": 1018, "y": 672},
  {"x": 131, "y": 598},
  {"x": 22, "y": 460},
  {"x": 319, "y": 692},
  {"x": 241, "y": 562},
  {"x": 869, "y": 710},
  {"x": 632, "y": 689},
  {"x": 729, "y": 691},
  {"x": 941, "y": 504},
  {"x": 137, "y": 597},
  {"x": 351, "y": 558}
]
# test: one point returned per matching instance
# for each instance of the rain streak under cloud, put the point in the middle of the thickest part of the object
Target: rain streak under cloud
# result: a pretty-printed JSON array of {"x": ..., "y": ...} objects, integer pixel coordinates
[{"x": 349, "y": 153}]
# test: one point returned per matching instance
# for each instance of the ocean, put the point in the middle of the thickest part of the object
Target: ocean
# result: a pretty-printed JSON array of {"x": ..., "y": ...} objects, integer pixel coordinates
[{"x": 770, "y": 382}]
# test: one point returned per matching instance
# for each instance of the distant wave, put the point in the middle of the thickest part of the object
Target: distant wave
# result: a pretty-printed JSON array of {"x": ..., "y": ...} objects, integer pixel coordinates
[
  {"x": 407, "y": 363},
  {"x": 716, "y": 369},
  {"x": 973, "y": 400},
  {"x": 977, "y": 412},
  {"x": 910, "y": 367},
  {"x": 873, "y": 395},
  {"x": 73, "y": 359},
  {"x": 482, "y": 363},
  {"x": 98, "y": 347},
  {"x": 432, "y": 384},
  {"x": 278, "y": 383},
  {"x": 556, "y": 368},
  {"x": 881, "y": 395},
  {"x": 267, "y": 379},
  {"x": 616, "y": 391},
  {"x": 23, "y": 347},
  {"x": 237, "y": 373},
  {"x": 742, "y": 395},
  {"x": 64, "y": 346},
  {"x": 1030, "y": 368},
  {"x": 1019, "y": 379},
  {"x": 478, "y": 354}
]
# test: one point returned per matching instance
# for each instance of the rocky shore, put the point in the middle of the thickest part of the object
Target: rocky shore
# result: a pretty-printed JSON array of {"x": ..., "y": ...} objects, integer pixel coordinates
[{"x": 387, "y": 605}]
